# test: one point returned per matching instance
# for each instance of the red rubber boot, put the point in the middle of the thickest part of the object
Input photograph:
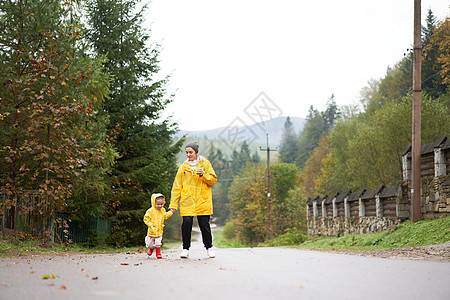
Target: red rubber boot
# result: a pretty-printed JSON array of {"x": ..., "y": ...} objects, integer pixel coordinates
[
  {"x": 149, "y": 252},
  {"x": 158, "y": 252}
]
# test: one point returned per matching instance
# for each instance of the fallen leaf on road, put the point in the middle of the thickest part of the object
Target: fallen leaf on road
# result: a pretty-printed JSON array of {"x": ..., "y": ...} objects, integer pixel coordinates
[
  {"x": 48, "y": 276},
  {"x": 301, "y": 287},
  {"x": 82, "y": 270},
  {"x": 124, "y": 264},
  {"x": 51, "y": 284},
  {"x": 86, "y": 275},
  {"x": 94, "y": 278},
  {"x": 31, "y": 272},
  {"x": 63, "y": 287},
  {"x": 4, "y": 283}
]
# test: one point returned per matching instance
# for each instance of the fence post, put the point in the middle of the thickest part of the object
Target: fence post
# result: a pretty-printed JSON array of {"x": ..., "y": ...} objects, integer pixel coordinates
[
  {"x": 440, "y": 168},
  {"x": 362, "y": 208},
  {"x": 335, "y": 209},
  {"x": 324, "y": 209},
  {"x": 379, "y": 206},
  {"x": 346, "y": 207},
  {"x": 406, "y": 167},
  {"x": 315, "y": 209}
]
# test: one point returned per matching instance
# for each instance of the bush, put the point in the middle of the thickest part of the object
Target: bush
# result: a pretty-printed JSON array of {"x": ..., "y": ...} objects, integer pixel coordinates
[
  {"x": 230, "y": 231},
  {"x": 292, "y": 237}
]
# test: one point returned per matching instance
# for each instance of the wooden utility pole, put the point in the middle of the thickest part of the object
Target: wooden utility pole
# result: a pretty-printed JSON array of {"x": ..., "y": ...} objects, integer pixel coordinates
[
  {"x": 416, "y": 116},
  {"x": 269, "y": 201}
]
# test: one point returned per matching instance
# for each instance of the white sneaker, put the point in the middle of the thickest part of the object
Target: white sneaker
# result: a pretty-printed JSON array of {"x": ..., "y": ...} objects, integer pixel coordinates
[
  {"x": 211, "y": 253},
  {"x": 184, "y": 253}
]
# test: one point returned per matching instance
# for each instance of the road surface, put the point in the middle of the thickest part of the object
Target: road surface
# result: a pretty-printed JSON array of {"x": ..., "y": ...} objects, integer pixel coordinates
[{"x": 246, "y": 273}]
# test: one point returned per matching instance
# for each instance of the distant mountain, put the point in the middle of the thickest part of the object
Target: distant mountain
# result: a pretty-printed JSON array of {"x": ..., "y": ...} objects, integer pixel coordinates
[{"x": 232, "y": 136}]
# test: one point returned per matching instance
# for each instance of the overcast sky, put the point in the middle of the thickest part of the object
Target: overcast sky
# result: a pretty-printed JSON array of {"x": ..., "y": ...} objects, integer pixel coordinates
[{"x": 227, "y": 58}]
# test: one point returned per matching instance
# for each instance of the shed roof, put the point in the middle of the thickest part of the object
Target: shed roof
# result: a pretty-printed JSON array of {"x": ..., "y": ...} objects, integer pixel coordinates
[
  {"x": 341, "y": 197},
  {"x": 355, "y": 196},
  {"x": 370, "y": 194},
  {"x": 388, "y": 192},
  {"x": 441, "y": 142}
]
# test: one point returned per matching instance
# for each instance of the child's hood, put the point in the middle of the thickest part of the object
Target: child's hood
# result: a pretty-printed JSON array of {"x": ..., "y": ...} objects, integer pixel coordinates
[{"x": 154, "y": 196}]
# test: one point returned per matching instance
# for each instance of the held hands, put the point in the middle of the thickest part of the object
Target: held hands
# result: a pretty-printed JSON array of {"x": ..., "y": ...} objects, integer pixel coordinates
[
  {"x": 200, "y": 172},
  {"x": 173, "y": 210}
]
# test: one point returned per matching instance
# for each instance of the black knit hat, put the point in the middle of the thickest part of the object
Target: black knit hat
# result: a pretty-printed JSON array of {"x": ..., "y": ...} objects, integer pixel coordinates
[{"x": 192, "y": 145}]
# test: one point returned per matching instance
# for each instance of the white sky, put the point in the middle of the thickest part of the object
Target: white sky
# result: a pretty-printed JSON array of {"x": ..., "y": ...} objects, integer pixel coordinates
[{"x": 223, "y": 54}]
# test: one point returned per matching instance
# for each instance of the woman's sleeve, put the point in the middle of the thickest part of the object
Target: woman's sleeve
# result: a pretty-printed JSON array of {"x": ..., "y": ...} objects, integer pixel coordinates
[
  {"x": 176, "y": 189},
  {"x": 209, "y": 176}
]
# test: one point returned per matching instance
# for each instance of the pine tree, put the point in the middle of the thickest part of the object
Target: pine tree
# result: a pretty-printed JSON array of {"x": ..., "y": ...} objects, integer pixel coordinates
[
  {"x": 431, "y": 68},
  {"x": 331, "y": 114},
  {"x": 288, "y": 144},
  {"x": 147, "y": 151},
  {"x": 310, "y": 136}
]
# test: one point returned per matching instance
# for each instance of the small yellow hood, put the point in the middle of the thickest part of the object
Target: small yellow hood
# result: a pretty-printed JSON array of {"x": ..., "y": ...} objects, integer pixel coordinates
[{"x": 154, "y": 196}]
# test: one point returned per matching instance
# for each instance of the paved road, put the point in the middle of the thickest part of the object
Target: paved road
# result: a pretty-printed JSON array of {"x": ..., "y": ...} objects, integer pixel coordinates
[{"x": 248, "y": 273}]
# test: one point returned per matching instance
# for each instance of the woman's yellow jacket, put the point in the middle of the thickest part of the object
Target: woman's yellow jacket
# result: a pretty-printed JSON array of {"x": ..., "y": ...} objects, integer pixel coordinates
[
  {"x": 154, "y": 218},
  {"x": 192, "y": 191}
]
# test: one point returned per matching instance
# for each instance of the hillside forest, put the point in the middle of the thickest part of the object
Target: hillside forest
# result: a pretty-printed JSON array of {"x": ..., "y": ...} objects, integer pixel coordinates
[{"x": 81, "y": 128}]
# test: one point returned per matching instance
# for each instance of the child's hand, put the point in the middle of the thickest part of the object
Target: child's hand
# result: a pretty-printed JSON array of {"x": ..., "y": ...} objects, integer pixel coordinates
[
  {"x": 173, "y": 210},
  {"x": 200, "y": 172}
]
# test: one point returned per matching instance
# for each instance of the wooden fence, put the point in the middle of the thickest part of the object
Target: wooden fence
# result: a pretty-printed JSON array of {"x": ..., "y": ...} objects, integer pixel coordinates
[
  {"x": 379, "y": 209},
  {"x": 30, "y": 214}
]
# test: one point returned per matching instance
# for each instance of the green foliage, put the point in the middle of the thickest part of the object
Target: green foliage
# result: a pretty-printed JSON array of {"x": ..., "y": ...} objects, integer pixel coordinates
[
  {"x": 367, "y": 150},
  {"x": 293, "y": 236}
]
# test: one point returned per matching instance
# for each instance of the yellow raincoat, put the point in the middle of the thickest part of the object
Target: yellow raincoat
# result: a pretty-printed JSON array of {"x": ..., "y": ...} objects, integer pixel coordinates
[
  {"x": 193, "y": 191},
  {"x": 154, "y": 218}
]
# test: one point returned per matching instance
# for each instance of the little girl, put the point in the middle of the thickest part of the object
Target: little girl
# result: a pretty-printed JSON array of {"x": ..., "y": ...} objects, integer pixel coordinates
[{"x": 154, "y": 219}]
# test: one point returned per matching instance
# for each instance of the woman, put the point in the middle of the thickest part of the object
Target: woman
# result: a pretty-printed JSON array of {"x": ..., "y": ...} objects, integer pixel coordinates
[{"x": 192, "y": 188}]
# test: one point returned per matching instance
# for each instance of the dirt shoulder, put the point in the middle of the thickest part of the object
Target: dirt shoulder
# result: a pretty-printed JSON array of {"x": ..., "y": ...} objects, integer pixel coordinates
[{"x": 438, "y": 252}]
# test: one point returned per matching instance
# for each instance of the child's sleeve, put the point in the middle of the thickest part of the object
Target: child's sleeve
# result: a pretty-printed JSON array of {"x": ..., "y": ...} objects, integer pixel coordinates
[
  {"x": 168, "y": 214},
  {"x": 148, "y": 219}
]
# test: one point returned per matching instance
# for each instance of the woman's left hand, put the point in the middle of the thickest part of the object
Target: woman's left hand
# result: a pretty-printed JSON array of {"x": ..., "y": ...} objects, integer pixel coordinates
[{"x": 200, "y": 172}]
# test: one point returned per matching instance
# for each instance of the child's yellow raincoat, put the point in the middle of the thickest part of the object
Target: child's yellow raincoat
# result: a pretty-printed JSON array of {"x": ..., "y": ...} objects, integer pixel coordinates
[
  {"x": 193, "y": 191},
  {"x": 154, "y": 218}
]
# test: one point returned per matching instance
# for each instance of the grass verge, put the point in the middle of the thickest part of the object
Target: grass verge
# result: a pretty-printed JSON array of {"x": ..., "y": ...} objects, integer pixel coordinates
[
  {"x": 13, "y": 246},
  {"x": 407, "y": 234}
]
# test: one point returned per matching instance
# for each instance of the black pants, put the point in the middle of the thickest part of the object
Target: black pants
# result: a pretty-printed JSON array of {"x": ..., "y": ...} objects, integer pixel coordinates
[{"x": 186, "y": 230}]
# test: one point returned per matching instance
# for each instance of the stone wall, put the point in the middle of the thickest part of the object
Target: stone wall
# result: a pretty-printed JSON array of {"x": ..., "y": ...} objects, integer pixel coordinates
[{"x": 329, "y": 226}]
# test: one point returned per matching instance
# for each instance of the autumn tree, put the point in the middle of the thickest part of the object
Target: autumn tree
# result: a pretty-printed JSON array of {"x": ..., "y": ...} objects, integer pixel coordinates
[
  {"x": 48, "y": 96},
  {"x": 248, "y": 202}
]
